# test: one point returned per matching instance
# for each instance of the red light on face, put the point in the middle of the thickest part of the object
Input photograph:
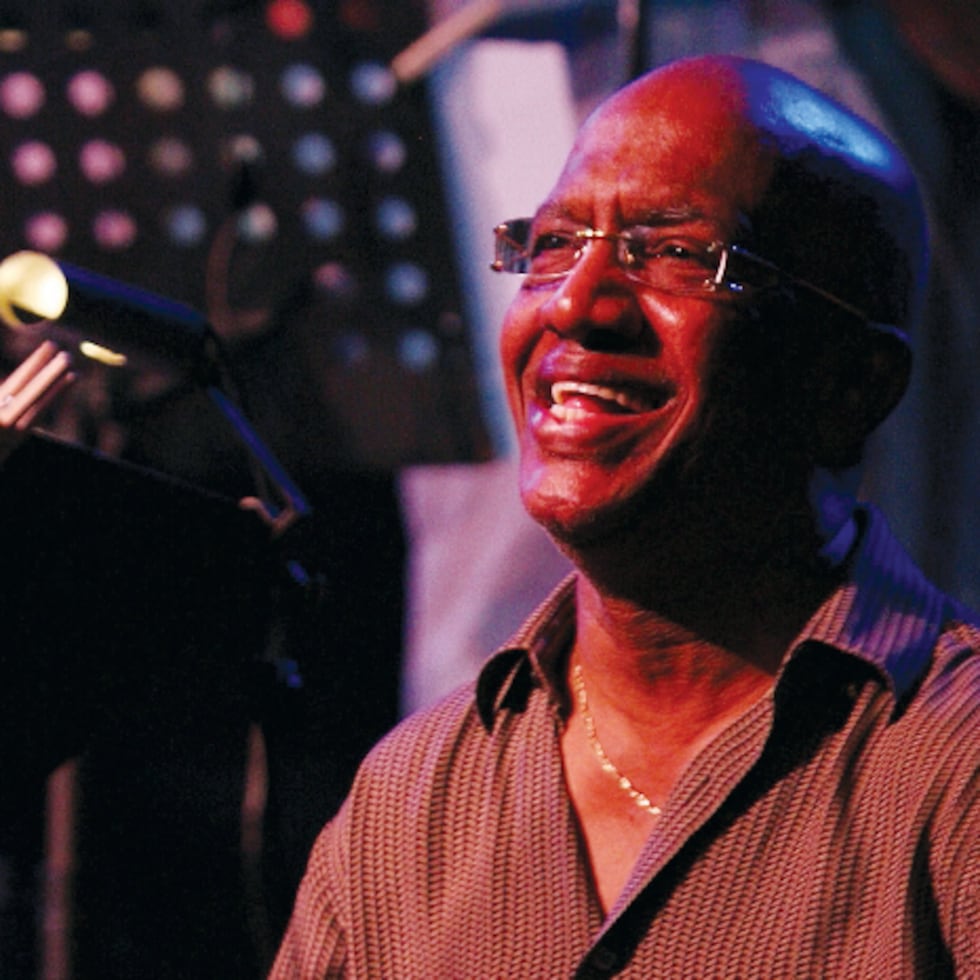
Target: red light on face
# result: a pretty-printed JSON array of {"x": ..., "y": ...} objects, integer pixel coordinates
[{"x": 289, "y": 19}]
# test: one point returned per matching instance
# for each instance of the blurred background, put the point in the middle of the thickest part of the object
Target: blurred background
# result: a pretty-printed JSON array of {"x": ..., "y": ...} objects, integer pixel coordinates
[{"x": 185, "y": 698}]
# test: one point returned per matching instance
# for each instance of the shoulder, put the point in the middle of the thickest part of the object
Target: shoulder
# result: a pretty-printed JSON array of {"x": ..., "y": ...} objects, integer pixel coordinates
[
  {"x": 934, "y": 731},
  {"x": 394, "y": 797},
  {"x": 949, "y": 695},
  {"x": 946, "y": 751},
  {"x": 959, "y": 645},
  {"x": 427, "y": 768},
  {"x": 936, "y": 749},
  {"x": 426, "y": 795},
  {"x": 949, "y": 712},
  {"x": 421, "y": 742}
]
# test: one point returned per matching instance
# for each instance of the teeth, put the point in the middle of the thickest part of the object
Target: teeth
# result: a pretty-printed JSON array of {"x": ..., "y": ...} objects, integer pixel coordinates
[{"x": 561, "y": 391}]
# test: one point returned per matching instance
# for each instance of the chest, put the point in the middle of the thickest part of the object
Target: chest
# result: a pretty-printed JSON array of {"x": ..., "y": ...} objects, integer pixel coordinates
[
  {"x": 797, "y": 863},
  {"x": 779, "y": 886}
]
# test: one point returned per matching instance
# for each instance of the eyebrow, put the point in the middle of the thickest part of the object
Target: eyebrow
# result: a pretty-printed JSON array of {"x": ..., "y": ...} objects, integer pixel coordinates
[
  {"x": 653, "y": 218},
  {"x": 672, "y": 215}
]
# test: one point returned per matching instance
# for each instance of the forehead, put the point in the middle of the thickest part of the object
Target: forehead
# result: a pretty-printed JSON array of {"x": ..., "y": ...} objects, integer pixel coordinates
[{"x": 667, "y": 144}]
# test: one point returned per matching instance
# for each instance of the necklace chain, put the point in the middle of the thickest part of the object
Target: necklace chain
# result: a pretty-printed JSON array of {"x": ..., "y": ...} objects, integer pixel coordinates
[{"x": 625, "y": 784}]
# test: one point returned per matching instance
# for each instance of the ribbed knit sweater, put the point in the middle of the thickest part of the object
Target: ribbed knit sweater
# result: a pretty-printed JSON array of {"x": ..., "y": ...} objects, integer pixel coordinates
[{"x": 833, "y": 831}]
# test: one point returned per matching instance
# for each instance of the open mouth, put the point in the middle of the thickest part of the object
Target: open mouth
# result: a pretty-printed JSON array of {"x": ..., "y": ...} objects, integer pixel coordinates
[{"x": 577, "y": 399}]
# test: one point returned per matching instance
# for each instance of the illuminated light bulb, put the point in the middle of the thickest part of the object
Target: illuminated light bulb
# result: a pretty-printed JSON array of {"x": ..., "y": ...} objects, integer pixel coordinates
[
  {"x": 418, "y": 350},
  {"x": 314, "y": 154},
  {"x": 406, "y": 283},
  {"x": 21, "y": 95},
  {"x": 90, "y": 92},
  {"x": 186, "y": 225},
  {"x": 12, "y": 39},
  {"x": 230, "y": 88},
  {"x": 101, "y": 162},
  {"x": 396, "y": 219},
  {"x": 335, "y": 281},
  {"x": 46, "y": 231},
  {"x": 386, "y": 151},
  {"x": 302, "y": 86},
  {"x": 289, "y": 19},
  {"x": 258, "y": 223},
  {"x": 33, "y": 163},
  {"x": 114, "y": 230},
  {"x": 242, "y": 149},
  {"x": 160, "y": 89},
  {"x": 323, "y": 219},
  {"x": 373, "y": 84},
  {"x": 171, "y": 157}
]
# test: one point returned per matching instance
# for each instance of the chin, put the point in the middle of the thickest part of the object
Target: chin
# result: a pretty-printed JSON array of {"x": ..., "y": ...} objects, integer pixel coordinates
[
  {"x": 575, "y": 526},
  {"x": 581, "y": 503}
]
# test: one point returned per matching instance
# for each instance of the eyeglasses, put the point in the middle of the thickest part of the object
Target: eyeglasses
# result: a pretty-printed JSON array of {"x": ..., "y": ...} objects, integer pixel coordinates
[{"x": 669, "y": 262}]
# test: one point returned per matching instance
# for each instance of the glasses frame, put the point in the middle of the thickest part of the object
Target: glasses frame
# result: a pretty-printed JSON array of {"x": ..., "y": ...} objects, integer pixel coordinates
[{"x": 510, "y": 253}]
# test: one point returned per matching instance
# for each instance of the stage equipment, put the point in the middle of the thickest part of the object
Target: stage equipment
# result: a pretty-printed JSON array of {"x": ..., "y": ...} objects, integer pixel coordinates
[{"x": 261, "y": 162}]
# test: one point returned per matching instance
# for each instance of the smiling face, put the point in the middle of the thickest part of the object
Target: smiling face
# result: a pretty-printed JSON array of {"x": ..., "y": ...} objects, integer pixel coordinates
[{"x": 611, "y": 383}]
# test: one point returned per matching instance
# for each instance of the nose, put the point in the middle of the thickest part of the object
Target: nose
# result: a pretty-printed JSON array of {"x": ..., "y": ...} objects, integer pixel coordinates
[{"x": 595, "y": 304}]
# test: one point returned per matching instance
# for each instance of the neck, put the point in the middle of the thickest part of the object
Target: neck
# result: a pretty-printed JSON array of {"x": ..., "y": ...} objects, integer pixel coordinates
[{"x": 682, "y": 617}]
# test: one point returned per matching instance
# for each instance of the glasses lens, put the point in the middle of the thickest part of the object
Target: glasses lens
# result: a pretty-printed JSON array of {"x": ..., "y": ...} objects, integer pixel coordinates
[
  {"x": 674, "y": 263},
  {"x": 510, "y": 245},
  {"x": 553, "y": 253},
  {"x": 670, "y": 262},
  {"x": 542, "y": 256}
]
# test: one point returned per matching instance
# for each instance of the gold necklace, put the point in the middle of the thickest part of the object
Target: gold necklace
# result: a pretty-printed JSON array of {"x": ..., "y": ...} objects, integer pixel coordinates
[{"x": 625, "y": 784}]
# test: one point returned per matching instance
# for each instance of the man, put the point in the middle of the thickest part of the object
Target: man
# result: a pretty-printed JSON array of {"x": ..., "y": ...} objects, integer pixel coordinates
[{"x": 743, "y": 739}]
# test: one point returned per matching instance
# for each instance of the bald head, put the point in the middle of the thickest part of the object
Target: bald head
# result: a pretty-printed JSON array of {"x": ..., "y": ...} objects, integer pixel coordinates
[
  {"x": 824, "y": 195},
  {"x": 737, "y": 151}
]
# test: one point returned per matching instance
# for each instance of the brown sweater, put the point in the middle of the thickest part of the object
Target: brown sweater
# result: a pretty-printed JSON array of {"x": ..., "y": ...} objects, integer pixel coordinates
[{"x": 833, "y": 831}]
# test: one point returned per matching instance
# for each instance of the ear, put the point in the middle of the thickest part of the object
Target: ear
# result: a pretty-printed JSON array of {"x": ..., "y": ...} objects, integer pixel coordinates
[{"x": 860, "y": 383}]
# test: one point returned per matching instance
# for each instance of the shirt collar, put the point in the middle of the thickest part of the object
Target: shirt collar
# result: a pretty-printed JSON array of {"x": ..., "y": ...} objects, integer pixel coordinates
[
  {"x": 885, "y": 612},
  {"x": 532, "y": 656}
]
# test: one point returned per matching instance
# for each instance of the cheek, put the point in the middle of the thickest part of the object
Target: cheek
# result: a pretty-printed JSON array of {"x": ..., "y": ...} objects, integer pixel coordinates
[
  {"x": 689, "y": 333},
  {"x": 518, "y": 335},
  {"x": 697, "y": 360}
]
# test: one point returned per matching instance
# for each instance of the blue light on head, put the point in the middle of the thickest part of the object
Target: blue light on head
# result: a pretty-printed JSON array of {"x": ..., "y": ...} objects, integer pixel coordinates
[
  {"x": 800, "y": 116},
  {"x": 830, "y": 126}
]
